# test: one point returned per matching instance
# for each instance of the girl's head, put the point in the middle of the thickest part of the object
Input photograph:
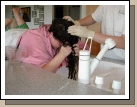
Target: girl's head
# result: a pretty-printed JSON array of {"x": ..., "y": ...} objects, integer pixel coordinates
[{"x": 59, "y": 29}]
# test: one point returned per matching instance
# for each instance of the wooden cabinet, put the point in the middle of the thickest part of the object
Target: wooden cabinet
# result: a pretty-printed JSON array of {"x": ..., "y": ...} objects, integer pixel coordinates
[{"x": 95, "y": 27}]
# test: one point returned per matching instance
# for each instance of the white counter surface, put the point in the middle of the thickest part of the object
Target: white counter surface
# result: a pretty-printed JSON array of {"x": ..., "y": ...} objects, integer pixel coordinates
[{"x": 27, "y": 79}]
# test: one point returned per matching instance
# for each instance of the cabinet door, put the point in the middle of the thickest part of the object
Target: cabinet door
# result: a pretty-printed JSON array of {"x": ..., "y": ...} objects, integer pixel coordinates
[{"x": 95, "y": 27}]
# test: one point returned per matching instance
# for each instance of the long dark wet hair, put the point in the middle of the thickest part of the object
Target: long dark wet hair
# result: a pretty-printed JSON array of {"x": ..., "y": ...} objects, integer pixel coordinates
[{"x": 59, "y": 28}]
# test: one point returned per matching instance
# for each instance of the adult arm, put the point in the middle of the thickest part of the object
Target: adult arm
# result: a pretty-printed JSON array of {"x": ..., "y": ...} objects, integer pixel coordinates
[
  {"x": 98, "y": 37},
  {"x": 88, "y": 20},
  {"x": 120, "y": 41}
]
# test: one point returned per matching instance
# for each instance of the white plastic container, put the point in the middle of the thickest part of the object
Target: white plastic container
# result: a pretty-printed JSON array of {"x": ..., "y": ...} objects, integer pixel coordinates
[
  {"x": 99, "y": 81},
  {"x": 83, "y": 68},
  {"x": 116, "y": 86}
]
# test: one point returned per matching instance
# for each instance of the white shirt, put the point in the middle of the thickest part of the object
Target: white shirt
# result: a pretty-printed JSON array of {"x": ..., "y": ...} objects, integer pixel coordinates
[{"x": 112, "y": 18}]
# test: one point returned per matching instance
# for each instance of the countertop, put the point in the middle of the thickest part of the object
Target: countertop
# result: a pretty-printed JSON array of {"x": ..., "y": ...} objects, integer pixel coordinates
[{"x": 27, "y": 79}]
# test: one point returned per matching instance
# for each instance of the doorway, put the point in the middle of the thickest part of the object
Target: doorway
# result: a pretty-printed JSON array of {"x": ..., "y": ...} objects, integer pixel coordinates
[
  {"x": 67, "y": 10},
  {"x": 58, "y": 11}
]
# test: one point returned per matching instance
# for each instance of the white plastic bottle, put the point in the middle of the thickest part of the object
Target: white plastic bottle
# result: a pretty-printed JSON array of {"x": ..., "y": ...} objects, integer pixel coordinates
[{"x": 84, "y": 67}]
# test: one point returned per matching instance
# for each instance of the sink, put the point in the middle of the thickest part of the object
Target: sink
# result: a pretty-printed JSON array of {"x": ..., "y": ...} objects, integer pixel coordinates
[{"x": 108, "y": 70}]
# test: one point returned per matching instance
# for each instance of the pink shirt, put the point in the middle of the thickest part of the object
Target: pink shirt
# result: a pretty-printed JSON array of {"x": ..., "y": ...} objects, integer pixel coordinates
[{"x": 38, "y": 46}]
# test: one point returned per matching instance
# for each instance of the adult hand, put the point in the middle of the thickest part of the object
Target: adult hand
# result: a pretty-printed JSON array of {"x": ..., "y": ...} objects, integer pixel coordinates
[
  {"x": 80, "y": 31},
  {"x": 70, "y": 19}
]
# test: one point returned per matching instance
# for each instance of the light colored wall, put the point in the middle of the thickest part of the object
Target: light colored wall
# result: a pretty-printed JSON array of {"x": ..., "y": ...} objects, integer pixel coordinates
[
  {"x": 47, "y": 14},
  {"x": 82, "y": 15},
  {"x": 82, "y": 11}
]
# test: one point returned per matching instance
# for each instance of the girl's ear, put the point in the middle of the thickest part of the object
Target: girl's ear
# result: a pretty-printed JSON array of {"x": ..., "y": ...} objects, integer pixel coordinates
[{"x": 51, "y": 35}]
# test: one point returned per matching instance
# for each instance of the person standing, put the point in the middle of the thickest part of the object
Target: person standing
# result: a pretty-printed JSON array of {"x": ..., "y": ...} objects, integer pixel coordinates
[{"x": 112, "y": 19}]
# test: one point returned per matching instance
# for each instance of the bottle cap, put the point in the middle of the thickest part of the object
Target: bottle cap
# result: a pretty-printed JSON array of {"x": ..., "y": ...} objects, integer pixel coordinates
[
  {"x": 84, "y": 55},
  {"x": 84, "y": 52},
  {"x": 98, "y": 80},
  {"x": 116, "y": 84}
]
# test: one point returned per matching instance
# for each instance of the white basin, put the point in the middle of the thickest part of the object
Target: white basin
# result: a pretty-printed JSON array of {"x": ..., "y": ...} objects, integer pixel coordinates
[{"x": 108, "y": 70}]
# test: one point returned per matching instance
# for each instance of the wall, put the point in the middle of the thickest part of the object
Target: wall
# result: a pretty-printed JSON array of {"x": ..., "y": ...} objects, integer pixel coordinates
[
  {"x": 47, "y": 14},
  {"x": 95, "y": 27},
  {"x": 82, "y": 11}
]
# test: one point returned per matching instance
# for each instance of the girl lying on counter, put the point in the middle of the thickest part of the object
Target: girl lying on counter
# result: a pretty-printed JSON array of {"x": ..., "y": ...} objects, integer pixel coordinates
[{"x": 50, "y": 46}]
